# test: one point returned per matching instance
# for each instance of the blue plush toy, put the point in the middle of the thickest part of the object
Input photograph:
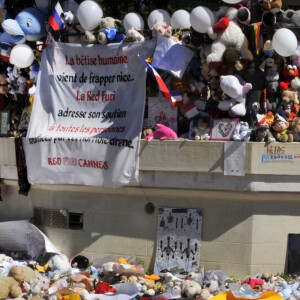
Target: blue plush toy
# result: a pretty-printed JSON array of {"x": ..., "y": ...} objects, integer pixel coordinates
[{"x": 29, "y": 25}]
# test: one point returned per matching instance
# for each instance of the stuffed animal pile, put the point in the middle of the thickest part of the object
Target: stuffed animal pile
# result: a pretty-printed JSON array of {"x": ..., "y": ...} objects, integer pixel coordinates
[{"x": 59, "y": 278}]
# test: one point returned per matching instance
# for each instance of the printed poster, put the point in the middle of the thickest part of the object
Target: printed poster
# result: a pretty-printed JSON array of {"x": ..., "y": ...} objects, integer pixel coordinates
[
  {"x": 87, "y": 114},
  {"x": 178, "y": 240}
]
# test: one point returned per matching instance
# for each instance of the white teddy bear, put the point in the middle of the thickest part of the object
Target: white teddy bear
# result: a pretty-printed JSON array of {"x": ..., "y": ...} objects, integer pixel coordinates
[
  {"x": 230, "y": 85},
  {"x": 232, "y": 36},
  {"x": 132, "y": 35}
]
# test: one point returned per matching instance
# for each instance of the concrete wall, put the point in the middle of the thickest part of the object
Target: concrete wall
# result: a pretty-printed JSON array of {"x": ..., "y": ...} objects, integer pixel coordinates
[
  {"x": 242, "y": 233},
  {"x": 246, "y": 220}
]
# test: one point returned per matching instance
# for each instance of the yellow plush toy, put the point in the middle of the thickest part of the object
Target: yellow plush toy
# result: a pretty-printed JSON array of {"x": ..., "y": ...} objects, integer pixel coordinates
[
  {"x": 9, "y": 287},
  {"x": 21, "y": 273}
]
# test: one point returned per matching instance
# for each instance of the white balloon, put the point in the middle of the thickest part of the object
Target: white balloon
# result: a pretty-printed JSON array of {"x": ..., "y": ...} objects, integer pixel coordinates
[
  {"x": 284, "y": 42},
  {"x": 232, "y": 1},
  {"x": 43, "y": 5},
  {"x": 158, "y": 15},
  {"x": 21, "y": 56},
  {"x": 180, "y": 19},
  {"x": 202, "y": 18},
  {"x": 133, "y": 20},
  {"x": 89, "y": 14}
]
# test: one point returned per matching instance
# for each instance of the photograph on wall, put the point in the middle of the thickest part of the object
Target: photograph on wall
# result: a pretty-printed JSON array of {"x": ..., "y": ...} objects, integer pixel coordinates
[
  {"x": 178, "y": 240},
  {"x": 161, "y": 112}
]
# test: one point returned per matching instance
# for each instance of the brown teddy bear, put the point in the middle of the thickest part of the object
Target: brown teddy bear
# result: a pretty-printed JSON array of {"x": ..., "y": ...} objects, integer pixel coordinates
[
  {"x": 232, "y": 60},
  {"x": 290, "y": 104},
  {"x": 280, "y": 128},
  {"x": 9, "y": 287},
  {"x": 295, "y": 128},
  {"x": 22, "y": 273},
  {"x": 272, "y": 4}
]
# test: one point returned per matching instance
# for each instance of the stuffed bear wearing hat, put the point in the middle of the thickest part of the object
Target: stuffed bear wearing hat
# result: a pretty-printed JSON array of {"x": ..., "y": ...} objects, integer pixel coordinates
[
  {"x": 214, "y": 281},
  {"x": 231, "y": 86},
  {"x": 280, "y": 128}
]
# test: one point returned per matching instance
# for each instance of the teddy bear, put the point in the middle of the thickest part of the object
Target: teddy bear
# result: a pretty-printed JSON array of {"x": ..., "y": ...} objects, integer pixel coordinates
[
  {"x": 190, "y": 288},
  {"x": 242, "y": 132},
  {"x": 232, "y": 60},
  {"x": 295, "y": 85},
  {"x": 290, "y": 104},
  {"x": 227, "y": 33},
  {"x": 295, "y": 129},
  {"x": 9, "y": 287},
  {"x": 205, "y": 295},
  {"x": 231, "y": 86},
  {"x": 108, "y": 32},
  {"x": 132, "y": 35},
  {"x": 263, "y": 134},
  {"x": 4, "y": 89},
  {"x": 272, "y": 4},
  {"x": 280, "y": 127},
  {"x": 22, "y": 273},
  {"x": 214, "y": 281}
]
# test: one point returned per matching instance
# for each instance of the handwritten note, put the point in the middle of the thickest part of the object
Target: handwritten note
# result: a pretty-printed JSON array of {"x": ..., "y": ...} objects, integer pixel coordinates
[{"x": 234, "y": 158}]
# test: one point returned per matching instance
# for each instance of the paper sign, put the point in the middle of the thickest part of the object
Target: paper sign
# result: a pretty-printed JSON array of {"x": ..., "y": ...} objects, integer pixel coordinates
[
  {"x": 234, "y": 158},
  {"x": 24, "y": 236},
  {"x": 171, "y": 56}
]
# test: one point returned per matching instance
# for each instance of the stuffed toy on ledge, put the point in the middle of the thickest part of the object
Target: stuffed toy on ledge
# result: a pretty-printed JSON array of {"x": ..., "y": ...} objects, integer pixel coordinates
[
  {"x": 108, "y": 32},
  {"x": 242, "y": 132},
  {"x": 281, "y": 130}
]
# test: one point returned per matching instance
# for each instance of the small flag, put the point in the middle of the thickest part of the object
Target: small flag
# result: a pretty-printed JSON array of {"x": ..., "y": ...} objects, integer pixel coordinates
[
  {"x": 55, "y": 20},
  {"x": 176, "y": 98},
  {"x": 162, "y": 86},
  {"x": 190, "y": 110}
]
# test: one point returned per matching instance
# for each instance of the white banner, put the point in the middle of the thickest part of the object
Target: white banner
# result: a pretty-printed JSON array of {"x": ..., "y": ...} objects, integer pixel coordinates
[{"x": 87, "y": 114}]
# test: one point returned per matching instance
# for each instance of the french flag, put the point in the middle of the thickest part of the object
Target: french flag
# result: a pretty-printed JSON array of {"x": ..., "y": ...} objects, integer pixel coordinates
[
  {"x": 190, "y": 110},
  {"x": 162, "y": 86},
  {"x": 55, "y": 20},
  {"x": 176, "y": 98}
]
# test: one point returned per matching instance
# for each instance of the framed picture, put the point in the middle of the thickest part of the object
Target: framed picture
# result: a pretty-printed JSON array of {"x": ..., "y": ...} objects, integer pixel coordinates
[
  {"x": 4, "y": 122},
  {"x": 200, "y": 127},
  {"x": 222, "y": 129}
]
